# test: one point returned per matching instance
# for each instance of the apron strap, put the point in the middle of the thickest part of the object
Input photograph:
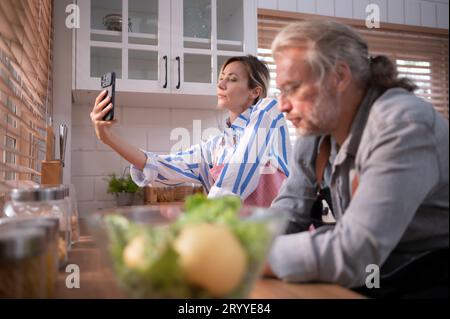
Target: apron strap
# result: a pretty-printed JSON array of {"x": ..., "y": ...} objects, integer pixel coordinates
[{"x": 322, "y": 160}]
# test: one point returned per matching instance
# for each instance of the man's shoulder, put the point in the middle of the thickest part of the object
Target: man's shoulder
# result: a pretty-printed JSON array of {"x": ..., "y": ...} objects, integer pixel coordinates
[{"x": 397, "y": 106}]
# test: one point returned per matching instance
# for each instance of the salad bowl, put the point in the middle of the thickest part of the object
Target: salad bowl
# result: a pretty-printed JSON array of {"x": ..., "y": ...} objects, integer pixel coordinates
[{"x": 209, "y": 248}]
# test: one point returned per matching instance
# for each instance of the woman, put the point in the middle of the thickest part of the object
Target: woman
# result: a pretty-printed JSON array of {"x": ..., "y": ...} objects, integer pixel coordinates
[{"x": 249, "y": 158}]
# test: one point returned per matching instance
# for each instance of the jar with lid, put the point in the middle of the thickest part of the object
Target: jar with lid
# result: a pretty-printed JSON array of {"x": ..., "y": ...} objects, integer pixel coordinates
[
  {"x": 43, "y": 201},
  {"x": 51, "y": 227},
  {"x": 22, "y": 263}
]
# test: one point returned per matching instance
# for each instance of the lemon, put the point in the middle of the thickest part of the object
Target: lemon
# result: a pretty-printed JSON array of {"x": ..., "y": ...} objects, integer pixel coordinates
[
  {"x": 211, "y": 257},
  {"x": 133, "y": 254}
]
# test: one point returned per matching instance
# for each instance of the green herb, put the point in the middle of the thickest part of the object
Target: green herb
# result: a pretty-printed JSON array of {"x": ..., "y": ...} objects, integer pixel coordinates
[{"x": 121, "y": 184}]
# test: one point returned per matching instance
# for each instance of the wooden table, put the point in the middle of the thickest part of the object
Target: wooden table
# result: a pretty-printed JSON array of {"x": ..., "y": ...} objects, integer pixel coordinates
[{"x": 97, "y": 281}]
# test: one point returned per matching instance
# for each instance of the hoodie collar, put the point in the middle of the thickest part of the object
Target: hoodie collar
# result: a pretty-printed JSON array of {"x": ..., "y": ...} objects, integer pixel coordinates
[{"x": 351, "y": 143}]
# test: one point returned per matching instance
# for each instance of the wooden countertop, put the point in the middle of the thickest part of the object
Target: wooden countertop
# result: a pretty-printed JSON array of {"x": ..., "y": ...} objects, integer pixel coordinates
[{"x": 97, "y": 281}]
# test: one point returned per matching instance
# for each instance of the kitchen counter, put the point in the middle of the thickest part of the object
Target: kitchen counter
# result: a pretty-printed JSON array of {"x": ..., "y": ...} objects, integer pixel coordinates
[{"x": 97, "y": 281}]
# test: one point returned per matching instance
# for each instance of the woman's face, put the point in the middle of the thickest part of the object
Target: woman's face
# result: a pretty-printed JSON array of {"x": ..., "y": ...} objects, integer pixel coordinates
[{"x": 232, "y": 89}]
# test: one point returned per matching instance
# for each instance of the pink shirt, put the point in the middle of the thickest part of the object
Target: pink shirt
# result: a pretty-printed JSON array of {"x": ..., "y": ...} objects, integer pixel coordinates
[{"x": 266, "y": 190}]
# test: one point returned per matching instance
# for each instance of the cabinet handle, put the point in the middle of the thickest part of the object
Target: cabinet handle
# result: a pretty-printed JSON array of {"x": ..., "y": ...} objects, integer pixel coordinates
[
  {"x": 179, "y": 74},
  {"x": 165, "y": 83}
]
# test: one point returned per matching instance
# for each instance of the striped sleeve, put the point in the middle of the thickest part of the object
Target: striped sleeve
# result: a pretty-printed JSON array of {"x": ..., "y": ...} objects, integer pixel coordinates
[
  {"x": 281, "y": 147},
  {"x": 240, "y": 175},
  {"x": 190, "y": 166}
]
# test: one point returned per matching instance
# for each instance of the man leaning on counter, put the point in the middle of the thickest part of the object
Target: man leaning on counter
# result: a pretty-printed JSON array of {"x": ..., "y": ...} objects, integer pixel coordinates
[{"x": 382, "y": 152}]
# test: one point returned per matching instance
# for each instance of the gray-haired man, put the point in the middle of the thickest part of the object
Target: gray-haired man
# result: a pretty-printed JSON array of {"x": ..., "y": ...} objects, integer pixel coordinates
[{"x": 386, "y": 163}]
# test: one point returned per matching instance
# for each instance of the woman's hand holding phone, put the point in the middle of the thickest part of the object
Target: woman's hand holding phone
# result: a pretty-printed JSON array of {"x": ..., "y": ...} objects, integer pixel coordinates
[
  {"x": 104, "y": 133},
  {"x": 101, "y": 107}
]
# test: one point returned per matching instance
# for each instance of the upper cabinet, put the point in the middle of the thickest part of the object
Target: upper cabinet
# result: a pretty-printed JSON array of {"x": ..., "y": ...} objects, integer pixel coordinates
[{"x": 161, "y": 46}]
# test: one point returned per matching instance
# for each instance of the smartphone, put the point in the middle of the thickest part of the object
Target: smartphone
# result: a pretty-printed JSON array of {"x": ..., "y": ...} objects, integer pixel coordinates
[{"x": 108, "y": 82}]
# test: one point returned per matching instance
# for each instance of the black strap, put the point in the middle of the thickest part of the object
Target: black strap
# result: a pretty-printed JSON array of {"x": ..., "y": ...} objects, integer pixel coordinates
[{"x": 322, "y": 159}]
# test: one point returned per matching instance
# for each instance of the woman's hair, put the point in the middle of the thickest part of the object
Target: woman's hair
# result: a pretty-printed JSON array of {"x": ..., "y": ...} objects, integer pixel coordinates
[
  {"x": 258, "y": 73},
  {"x": 330, "y": 42}
]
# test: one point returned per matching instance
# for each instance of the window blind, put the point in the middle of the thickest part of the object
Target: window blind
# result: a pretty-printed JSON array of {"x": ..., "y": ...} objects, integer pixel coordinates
[
  {"x": 419, "y": 53},
  {"x": 25, "y": 89}
]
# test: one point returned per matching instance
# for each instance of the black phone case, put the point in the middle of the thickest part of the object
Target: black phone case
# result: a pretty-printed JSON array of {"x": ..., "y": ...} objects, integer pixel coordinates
[{"x": 111, "y": 87}]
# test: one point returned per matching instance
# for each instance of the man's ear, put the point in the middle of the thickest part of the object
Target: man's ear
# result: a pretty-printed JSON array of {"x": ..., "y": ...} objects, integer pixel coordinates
[{"x": 343, "y": 76}]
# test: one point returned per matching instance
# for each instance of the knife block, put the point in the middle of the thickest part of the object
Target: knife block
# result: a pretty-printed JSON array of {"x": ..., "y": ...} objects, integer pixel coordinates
[{"x": 51, "y": 173}]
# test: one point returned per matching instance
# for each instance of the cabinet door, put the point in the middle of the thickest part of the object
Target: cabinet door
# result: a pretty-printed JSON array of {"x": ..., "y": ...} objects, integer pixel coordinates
[
  {"x": 204, "y": 34},
  {"x": 192, "y": 46},
  {"x": 147, "y": 46},
  {"x": 129, "y": 37},
  {"x": 104, "y": 55}
]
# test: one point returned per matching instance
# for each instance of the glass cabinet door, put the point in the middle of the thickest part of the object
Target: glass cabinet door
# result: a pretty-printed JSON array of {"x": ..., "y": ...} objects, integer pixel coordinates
[
  {"x": 230, "y": 25},
  {"x": 124, "y": 37},
  {"x": 104, "y": 60},
  {"x": 106, "y": 20},
  {"x": 106, "y": 37},
  {"x": 143, "y": 39},
  {"x": 143, "y": 22},
  {"x": 230, "y": 30},
  {"x": 197, "y": 24},
  {"x": 206, "y": 32},
  {"x": 197, "y": 42}
]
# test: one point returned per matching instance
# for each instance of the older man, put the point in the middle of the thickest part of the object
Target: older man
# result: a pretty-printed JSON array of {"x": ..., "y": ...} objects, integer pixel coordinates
[{"x": 383, "y": 153}]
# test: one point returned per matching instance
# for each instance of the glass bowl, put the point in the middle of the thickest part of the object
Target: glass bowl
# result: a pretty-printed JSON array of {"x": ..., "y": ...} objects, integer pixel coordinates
[
  {"x": 113, "y": 22},
  {"x": 163, "y": 252}
]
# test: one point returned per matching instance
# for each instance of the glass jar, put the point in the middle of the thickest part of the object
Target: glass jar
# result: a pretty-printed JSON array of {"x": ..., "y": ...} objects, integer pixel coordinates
[
  {"x": 22, "y": 263},
  {"x": 71, "y": 198},
  {"x": 51, "y": 227},
  {"x": 43, "y": 201}
]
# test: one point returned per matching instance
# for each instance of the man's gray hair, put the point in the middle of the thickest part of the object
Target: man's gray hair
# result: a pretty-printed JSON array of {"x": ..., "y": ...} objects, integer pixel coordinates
[{"x": 328, "y": 43}]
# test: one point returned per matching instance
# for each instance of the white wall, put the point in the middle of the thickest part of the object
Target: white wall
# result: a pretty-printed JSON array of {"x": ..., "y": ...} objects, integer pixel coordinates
[
  {"x": 62, "y": 80},
  {"x": 427, "y": 13},
  {"x": 146, "y": 128}
]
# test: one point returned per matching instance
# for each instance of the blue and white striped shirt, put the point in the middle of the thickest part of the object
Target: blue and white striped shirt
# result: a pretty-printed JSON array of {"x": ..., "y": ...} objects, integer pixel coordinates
[{"x": 259, "y": 136}]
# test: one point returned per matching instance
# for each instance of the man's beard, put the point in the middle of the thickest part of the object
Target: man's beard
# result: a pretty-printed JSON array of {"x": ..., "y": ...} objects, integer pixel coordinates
[{"x": 323, "y": 116}]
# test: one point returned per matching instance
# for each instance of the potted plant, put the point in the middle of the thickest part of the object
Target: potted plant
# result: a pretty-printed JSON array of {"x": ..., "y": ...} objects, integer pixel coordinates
[{"x": 123, "y": 188}]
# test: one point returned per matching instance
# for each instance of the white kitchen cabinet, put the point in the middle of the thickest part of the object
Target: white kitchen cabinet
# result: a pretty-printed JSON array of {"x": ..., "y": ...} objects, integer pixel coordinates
[{"x": 168, "y": 47}]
